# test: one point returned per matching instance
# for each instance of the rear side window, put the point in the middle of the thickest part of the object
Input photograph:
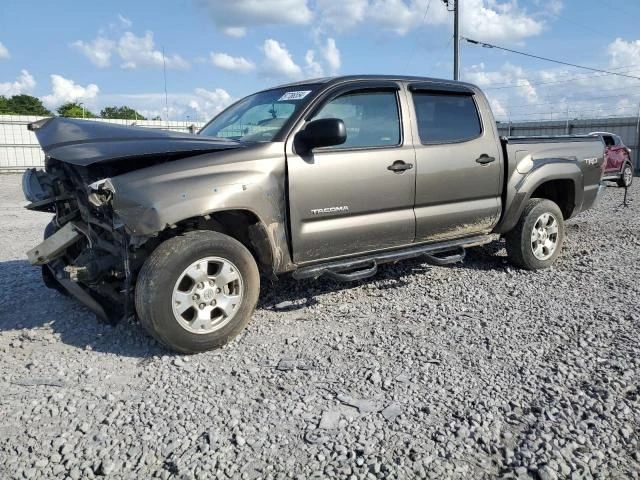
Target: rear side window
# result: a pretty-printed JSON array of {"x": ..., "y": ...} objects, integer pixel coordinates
[
  {"x": 372, "y": 118},
  {"x": 608, "y": 140},
  {"x": 446, "y": 117}
]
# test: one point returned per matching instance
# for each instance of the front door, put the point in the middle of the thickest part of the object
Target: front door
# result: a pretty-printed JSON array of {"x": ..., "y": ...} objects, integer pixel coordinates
[{"x": 346, "y": 199}]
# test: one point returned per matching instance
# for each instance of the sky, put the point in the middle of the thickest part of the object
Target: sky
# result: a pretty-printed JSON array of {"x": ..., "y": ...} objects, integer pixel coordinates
[{"x": 110, "y": 53}]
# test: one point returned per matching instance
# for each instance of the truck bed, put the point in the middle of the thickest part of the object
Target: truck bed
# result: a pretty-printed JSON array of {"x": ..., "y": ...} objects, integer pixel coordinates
[{"x": 579, "y": 157}]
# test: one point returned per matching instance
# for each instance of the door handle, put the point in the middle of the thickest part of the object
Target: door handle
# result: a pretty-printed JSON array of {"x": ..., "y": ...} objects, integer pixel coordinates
[
  {"x": 399, "y": 166},
  {"x": 484, "y": 159}
]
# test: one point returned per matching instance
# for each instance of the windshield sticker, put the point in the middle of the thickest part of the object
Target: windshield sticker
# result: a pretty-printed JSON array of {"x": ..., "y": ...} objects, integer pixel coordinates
[{"x": 294, "y": 95}]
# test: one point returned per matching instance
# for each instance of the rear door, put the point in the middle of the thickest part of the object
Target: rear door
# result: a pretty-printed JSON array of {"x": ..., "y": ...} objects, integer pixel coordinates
[
  {"x": 345, "y": 199},
  {"x": 459, "y": 170}
]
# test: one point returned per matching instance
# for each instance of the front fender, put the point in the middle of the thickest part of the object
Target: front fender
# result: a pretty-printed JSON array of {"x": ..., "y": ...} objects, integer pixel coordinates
[{"x": 149, "y": 200}]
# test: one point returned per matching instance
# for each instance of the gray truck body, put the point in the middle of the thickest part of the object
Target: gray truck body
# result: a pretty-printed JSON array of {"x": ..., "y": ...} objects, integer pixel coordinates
[{"x": 130, "y": 188}]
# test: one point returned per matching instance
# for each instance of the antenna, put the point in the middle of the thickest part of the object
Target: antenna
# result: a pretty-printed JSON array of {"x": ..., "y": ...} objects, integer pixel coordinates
[{"x": 166, "y": 98}]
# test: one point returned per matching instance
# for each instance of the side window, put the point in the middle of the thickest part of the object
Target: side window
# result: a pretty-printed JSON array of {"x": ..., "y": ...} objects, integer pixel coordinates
[
  {"x": 608, "y": 140},
  {"x": 446, "y": 117},
  {"x": 372, "y": 118}
]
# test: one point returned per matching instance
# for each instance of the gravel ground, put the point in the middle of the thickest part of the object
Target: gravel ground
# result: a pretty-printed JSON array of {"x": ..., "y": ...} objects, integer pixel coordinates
[{"x": 471, "y": 371}]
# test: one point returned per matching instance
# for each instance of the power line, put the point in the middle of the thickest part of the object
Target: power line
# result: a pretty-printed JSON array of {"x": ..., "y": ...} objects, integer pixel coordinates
[
  {"x": 566, "y": 101},
  {"x": 573, "y": 113},
  {"x": 413, "y": 50},
  {"x": 567, "y": 80},
  {"x": 489, "y": 45},
  {"x": 599, "y": 32}
]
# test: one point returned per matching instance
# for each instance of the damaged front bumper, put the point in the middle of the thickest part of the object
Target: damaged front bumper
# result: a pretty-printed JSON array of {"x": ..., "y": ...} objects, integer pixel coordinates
[
  {"x": 54, "y": 246},
  {"x": 85, "y": 252}
]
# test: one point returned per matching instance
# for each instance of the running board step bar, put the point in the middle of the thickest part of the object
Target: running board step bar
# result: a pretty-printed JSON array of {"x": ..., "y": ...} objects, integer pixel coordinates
[{"x": 367, "y": 266}]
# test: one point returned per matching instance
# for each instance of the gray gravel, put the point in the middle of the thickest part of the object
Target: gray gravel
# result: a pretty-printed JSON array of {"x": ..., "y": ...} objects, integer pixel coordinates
[{"x": 471, "y": 371}]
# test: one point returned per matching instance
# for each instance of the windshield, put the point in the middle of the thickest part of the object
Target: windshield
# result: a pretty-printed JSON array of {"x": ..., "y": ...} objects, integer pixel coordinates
[{"x": 259, "y": 117}]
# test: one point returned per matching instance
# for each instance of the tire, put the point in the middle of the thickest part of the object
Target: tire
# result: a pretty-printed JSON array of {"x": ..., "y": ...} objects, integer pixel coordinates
[
  {"x": 174, "y": 279},
  {"x": 626, "y": 176},
  {"x": 520, "y": 240}
]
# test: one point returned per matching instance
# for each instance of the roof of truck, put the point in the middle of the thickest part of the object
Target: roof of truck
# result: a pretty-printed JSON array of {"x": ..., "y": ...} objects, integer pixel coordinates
[{"x": 351, "y": 78}]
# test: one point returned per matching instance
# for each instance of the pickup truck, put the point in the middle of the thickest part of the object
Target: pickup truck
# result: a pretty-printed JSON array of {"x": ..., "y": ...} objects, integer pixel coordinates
[{"x": 326, "y": 177}]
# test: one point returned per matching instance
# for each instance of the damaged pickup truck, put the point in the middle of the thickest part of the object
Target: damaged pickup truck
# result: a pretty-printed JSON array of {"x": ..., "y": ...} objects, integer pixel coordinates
[{"x": 325, "y": 177}]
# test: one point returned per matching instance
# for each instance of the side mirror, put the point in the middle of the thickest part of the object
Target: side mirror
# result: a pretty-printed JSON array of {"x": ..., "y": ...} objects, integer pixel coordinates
[{"x": 324, "y": 132}]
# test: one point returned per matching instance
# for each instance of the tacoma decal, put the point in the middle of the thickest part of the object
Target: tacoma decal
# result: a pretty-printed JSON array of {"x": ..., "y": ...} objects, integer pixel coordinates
[{"x": 316, "y": 211}]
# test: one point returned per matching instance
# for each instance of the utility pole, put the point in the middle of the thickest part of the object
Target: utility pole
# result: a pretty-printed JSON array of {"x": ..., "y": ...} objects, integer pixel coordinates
[{"x": 454, "y": 6}]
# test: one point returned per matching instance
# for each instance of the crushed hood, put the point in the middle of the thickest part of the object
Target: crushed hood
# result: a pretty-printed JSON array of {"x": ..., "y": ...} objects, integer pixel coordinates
[{"x": 85, "y": 143}]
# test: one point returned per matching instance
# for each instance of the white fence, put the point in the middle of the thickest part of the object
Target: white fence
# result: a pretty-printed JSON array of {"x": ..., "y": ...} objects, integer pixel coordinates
[{"x": 19, "y": 148}]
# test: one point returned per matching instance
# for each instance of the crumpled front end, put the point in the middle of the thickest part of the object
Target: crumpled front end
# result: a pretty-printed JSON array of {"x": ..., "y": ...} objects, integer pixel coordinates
[{"x": 86, "y": 250}]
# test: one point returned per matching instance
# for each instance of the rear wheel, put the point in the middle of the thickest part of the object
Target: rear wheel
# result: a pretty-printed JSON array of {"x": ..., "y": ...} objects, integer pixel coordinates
[
  {"x": 626, "y": 177},
  {"x": 197, "y": 291},
  {"x": 536, "y": 240}
]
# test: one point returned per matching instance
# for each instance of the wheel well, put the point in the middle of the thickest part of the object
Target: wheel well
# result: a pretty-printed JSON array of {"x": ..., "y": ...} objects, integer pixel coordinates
[
  {"x": 561, "y": 192},
  {"x": 243, "y": 225}
]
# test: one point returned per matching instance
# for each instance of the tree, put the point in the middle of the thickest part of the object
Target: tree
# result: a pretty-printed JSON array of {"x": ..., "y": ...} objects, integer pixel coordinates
[
  {"x": 75, "y": 110},
  {"x": 124, "y": 112},
  {"x": 23, "y": 105}
]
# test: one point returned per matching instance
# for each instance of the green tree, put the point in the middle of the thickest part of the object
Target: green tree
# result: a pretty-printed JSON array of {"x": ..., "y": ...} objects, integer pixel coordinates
[
  {"x": 23, "y": 105},
  {"x": 124, "y": 112},
  {"x": 5, "y": 109},
  {"x": 75, "y": 110}
]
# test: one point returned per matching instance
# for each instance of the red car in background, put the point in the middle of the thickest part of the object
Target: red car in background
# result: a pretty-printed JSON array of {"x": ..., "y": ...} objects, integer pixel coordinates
[{"x": 618, "y": 166}]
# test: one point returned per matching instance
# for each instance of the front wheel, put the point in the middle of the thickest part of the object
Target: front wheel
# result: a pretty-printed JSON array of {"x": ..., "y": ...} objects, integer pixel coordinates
[
  {"x": 626, "y": 177},
  {"x": 536, "y": 240},
  {"x": 197, "y": 291}
]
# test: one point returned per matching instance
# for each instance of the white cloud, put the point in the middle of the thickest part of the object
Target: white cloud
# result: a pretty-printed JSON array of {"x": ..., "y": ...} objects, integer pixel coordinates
[
  {"x": 278, "y": 61},
  {"x": 4, "y": 53},
  {"x": 24, "y": 83},
  {"x": 331, "y": 55},
  {"x": 200, "y": 105},
  {"x": 98, "y": 52},
  {"x": 489, "y": 20},
  {"x": 139, "y": 52},
  {"x": 124, "y": 21},
  {"x": 623, "y": 53},
  {"x": 236, "y": 32},
  {"x": 342, "y": 15},
  {"x": 66, "y": 90},
  {"x": 234, "y": 17},
  {"x": 312, "y": 67},
  {"x": 134, "y": 51},
  {"x": 498, "y": 110},
  {"x": 234, "y": 64},
  {"x": 396, "y": 15},
  {"x": 554, "y": 7},
  {"x": 555, "y": 93},
  {"x": 211, "y": 102}
]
